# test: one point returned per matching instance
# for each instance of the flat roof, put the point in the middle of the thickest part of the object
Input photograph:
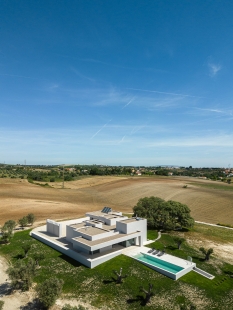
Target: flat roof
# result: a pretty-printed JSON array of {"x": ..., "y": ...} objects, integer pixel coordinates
[
  {"x": 103, "y": 240},
  {"x": 132, "y": 219},
  {"x": 83, "y": 224},
  {"x": 78, "y": 225},
  {"x": 107, "y": 215},
  {"x": 92, "y": 231}
]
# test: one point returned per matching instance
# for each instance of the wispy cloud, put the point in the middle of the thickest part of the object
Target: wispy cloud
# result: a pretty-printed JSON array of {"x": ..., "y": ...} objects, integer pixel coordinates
[
  {"x": 218, "y": 111},
  {"x": 82, "y": 75},
  {"x": 131, "y": 100},
  {"x": 100, "y": 130},
  {"x": 214, "y": 69},
  {"x": 164, "y": 93}
]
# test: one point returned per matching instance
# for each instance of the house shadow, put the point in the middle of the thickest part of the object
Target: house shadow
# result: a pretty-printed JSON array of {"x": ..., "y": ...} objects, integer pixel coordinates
[{"x": 71, "y": 261}]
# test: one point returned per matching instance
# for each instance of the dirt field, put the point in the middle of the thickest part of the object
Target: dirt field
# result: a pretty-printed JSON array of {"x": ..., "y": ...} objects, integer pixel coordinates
[{"x": 18, "y": 197}]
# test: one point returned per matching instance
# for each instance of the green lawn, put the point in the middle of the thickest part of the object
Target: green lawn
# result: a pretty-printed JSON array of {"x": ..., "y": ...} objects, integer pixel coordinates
[{"x": 97, "y": 287}]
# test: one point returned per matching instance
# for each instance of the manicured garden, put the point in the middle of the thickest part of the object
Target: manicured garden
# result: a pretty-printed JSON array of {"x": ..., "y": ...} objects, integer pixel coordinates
[{"x": 98, "y": 286}]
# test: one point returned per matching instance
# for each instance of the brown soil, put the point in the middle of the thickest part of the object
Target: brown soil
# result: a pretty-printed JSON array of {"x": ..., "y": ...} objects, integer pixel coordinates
[{"x": 18, "y": 197}]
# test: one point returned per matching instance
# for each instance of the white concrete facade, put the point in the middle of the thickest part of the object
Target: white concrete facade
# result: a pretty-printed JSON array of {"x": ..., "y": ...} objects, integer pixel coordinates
[{"x": 94, "y": 239}]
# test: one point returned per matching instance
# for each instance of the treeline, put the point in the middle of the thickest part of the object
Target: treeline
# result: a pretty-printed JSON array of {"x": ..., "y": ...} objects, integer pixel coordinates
[{"x": 55, "y": 173}]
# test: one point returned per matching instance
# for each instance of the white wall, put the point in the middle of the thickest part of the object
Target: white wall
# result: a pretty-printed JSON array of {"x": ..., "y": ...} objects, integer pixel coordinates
[
  {"x": 131, "y": 227},
  {"x": 140, "y": 225},
  {"x": 91, "y": 263},
  {"x": 71, "y": 233},
  {"x": 54, "y": 228}
]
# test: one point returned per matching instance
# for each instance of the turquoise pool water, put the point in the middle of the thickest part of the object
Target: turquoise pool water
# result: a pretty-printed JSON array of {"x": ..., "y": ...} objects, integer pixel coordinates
[{"x": 159, "y": 263}]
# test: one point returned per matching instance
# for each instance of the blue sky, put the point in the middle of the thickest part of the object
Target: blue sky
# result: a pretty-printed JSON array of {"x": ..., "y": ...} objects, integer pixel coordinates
[{"x": 116, "y": 82}]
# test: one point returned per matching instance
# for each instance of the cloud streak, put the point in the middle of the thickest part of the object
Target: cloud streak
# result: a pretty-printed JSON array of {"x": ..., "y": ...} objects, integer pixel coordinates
[
  {"x": 100, "y": 130},
  {"x": 82, "y": 75},
  {"x": 163, "y": 93},
  {"x": 131, "y": 100}
]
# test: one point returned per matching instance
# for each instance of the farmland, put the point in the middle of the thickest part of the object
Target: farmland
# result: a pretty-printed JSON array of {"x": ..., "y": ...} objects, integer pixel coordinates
[{"x": 209, "y": 201}]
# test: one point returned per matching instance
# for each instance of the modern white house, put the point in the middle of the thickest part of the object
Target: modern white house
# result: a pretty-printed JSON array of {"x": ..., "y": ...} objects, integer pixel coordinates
[
  {"x": 102, "y": 235},
  {"x": 98, "y": 237}
]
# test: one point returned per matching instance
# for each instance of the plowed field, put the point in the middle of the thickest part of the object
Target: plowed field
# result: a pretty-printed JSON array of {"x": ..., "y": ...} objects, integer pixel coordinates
[{"x": 18, "y": 197}]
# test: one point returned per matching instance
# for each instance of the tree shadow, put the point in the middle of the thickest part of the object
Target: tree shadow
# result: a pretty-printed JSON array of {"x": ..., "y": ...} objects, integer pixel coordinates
[
  {"x": 139, "y": 298},
  {"x": 183, "y": 229},
  {"x": 35, "y": 304},
  {"x": 109, "y": 281},
  {"x": 5, "y": 289},
  {"x": 200, "y": 259},
  {"x": 19, "y": 256},
  {"x": 171, "y": 247},
  {"x": 229, "y": 273}
]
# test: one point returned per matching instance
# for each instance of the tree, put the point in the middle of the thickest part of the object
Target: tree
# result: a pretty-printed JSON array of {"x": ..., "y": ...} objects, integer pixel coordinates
[
  {"x": 38, "y": 257},
  {"x": 119, "y": 276},
  {"x": 11, "y": 224},
  {"x": 26, "y": 247},
  {"x": 49, "y": 291},
  {"x": 148, "y": 293},
  {"x": 21, "y": 274},
  {"x": 161, "y": 214},
  {"x": 31, "y": 218},
  {"x": 178, "y": 241},
  {"x": 7, "y": 231},
  {"x": 206, "y": 252},
  {"x": 23, "y": 222}
]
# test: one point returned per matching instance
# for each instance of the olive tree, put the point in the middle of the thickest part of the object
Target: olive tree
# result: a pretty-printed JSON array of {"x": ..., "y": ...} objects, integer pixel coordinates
[
  {"x": 31, "y": 218},
  {"x": 23, "y": 222},
  {"x": 7, "y": 231},
  {"x": 178, "y": 241},
  {"x": 206, "y": 252},
  {"x": 49, "y": 291},
  {"x": 21, "y": 274},
  {"x": 119, "y": 276},
  {"x": 149, "y": 293}
]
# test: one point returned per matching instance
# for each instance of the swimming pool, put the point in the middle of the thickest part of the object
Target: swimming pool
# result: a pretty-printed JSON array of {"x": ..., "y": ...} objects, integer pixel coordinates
[
  {"x": 159, "y": 263},
  {"x": 162, "y": 266}
]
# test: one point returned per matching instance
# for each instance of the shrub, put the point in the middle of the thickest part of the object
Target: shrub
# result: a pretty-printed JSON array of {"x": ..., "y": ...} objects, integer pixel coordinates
[
  {"x": 1, "y": 304},
  {"x": 49, "y": 291}
]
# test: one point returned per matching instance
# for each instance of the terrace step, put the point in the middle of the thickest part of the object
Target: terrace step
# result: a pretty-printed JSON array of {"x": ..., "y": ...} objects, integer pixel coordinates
[{"x": 203, "y": 273}]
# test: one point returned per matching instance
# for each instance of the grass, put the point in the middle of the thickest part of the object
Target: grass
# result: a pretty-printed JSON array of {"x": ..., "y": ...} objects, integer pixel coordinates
[
  {"x": 97, "y": 286},
  {"x": 214, "y": 185},
  {"x": 212, "y": 233}
]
